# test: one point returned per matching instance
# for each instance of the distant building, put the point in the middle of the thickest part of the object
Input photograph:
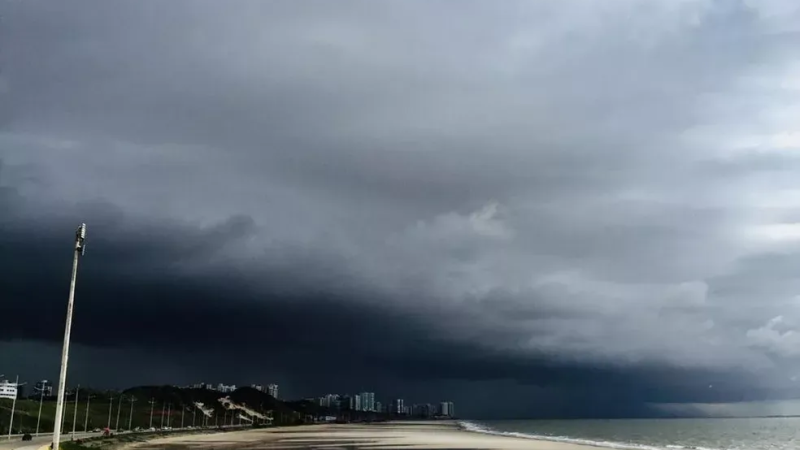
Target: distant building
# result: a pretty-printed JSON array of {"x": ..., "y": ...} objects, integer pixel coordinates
[
  {"x": 378, "y": 407},
  {"x": 257, "y": 387},
  {"x": 447, "y": 409},
  {"x": 367, "y": 401},
  {"x": 358, "y": 403},
  {"x": 43, "y": 388},
  {"x": 226, "y": 388},
  {"x": 424, "y": 410},
  {"x": 8, "y": 389},
  {"x": 272, "y": 390},
  {"x": 329, "y": 401},
  {"x": 398, "y": 407}
]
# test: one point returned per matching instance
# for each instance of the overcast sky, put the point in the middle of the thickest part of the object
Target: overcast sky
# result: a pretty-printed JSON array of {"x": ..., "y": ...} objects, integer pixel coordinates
[{"x": 535, "y": 208}]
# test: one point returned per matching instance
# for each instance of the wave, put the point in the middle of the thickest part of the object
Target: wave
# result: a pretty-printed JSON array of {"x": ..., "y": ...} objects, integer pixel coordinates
[{"x": 478, "y": 428}]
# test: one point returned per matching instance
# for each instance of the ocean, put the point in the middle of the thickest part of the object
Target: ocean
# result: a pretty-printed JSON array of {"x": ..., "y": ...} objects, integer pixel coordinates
[{"x": 657, "y": 434}]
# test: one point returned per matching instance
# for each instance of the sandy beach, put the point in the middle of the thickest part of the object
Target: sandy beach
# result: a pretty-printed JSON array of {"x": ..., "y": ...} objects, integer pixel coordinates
[{"x": 387, "y": 436}]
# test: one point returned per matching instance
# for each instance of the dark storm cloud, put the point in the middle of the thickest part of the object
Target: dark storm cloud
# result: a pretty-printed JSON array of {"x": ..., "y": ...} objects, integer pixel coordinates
[{"x": 547, "y": 199}]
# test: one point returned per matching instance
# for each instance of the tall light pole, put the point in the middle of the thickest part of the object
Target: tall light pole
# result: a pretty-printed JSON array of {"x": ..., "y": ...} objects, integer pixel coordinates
[
  {"x": 13, "y": 406},
  {"x": 119, "y": 409},
  {"x": 41, "y": 397},
  {"x": 80, "y": 236},
  {"x": 183, "y": 411},
  {"x": 110, "y": 405},
  {"x": 163, "y": 412},
  {"x": 86, "y": 419},
  {"x": 75, "y": 412},
  {"x": 152, "y": 402},
  {"x": 130, "y": 419},
  {"x": 169, "y": 415}
]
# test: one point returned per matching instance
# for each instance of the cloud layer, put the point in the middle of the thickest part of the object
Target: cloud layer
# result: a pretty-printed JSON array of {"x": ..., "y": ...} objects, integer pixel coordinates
[{"x": 539, "y": 198}]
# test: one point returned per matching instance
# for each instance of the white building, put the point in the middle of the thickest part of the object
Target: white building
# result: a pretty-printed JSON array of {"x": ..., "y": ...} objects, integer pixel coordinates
[
  {"x": 447, "y": 409},
  {"x": 226, "y": 388},
  {"x": 8, "y": 389},
  {"x": 367, "y": 401},
  {"x": 272, "y": 390}
]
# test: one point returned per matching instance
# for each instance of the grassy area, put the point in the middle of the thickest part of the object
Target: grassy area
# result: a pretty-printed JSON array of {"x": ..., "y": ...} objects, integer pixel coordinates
[
  {"x": 171, "y": 407},
  {"x": 27, "y": 412}
]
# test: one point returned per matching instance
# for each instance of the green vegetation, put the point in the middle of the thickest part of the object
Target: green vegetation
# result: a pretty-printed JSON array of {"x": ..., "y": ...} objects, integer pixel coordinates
[
  {"x": 169, "y": 403},
  {"x": 27, "y": 412}
]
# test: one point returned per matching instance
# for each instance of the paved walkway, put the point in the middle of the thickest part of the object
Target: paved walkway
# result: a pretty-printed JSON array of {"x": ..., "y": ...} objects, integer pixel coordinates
[{"x": 16, "y": 442}]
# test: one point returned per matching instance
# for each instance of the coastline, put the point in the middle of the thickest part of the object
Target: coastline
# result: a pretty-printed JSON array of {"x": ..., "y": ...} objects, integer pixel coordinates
[{"x": 382, "y": 436}]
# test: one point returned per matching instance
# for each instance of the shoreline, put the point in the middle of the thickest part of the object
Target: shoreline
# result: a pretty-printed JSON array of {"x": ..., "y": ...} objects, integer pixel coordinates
[{"x": 381, "y": 436}]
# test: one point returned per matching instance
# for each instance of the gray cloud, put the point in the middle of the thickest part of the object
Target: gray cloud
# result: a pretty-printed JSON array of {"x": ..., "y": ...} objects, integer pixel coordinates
[{"x": 526, "y": 195}]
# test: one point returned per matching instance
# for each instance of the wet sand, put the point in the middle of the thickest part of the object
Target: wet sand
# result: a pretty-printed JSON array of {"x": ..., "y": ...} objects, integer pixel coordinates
[{"x": 387, "y": 436}]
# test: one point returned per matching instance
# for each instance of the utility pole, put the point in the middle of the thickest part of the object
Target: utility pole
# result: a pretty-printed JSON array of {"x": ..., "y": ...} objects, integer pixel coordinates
[
  {"x": 183, "y": 412},
  {"x": 14, "y": 407},
  {"x": 169, "y": 415},
  {"x": 86, "y": 419},
  {"x": 163, "y": 411},
  {"x": 80, "y": 236},
  {"x": 75, "y": 411},
  {"x": 130, "y": 419},
  {"x": 39, "y": 417},
  {"x": 110, "y": 406},
  {"x": 119, "y": 410},
  {"x": 152, "y": 402}
]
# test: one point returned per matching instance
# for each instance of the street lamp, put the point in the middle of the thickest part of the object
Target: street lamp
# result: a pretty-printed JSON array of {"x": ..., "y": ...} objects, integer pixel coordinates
[
  {"x": 86, "y": 419},
  {"x": 17, "y": 384},
  {"x": 75, "y": 412},
  {"x": 152, "y": 402},
  {"x": 130, "y": 420},
  {"x": 41, "y": 398},
  {"x": 80, "y": 237},
  {"x": 119, "y": 409},
  {"x": 110, "y": 405}
]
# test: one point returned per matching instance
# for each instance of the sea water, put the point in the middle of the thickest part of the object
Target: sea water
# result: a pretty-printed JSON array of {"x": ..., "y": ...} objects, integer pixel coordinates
[{"x": 657, "y": 434}]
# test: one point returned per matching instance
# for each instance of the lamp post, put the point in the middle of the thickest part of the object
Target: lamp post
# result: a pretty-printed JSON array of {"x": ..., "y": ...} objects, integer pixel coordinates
[
  {"x": 86, "y": 419},
  {"x": 119, "y": 409},
  {"x": 152, "y": 402},
  {"x": 41, "y": 397},
  {"x": 13, "y": 406},
  {"x": 130, "y": 419},
  {"x": 80, "y": 236},
  {"x": 110, "y": 405},
  {"x": 75, "y": 412}
]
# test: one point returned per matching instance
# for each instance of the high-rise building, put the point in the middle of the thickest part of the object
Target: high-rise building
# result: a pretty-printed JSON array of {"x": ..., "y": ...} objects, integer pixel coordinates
[
  {"x": 272, "y": 390},
  {"x": 329, "y": 401},
  {"x": 378, "y": 407},
  {"x": 358, "y": 403},
  {"x": 447, "y": 409},
  {"x": 367, "y": 401},
  {"x": 226, "y": 388},
  {"x": 398, "y": 407}
]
